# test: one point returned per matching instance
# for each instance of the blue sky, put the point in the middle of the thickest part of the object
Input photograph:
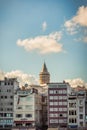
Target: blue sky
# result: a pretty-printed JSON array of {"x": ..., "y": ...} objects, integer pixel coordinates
[{"x": 26, "y": 28}]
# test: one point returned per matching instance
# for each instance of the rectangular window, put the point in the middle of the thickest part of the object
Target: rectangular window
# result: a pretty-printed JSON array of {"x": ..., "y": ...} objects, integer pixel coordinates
[
  {"x": 51, "y": 91},
  {"x": 51, "y": 103},
  {"x": 55, "y": 103},
  {"x": 28, "y": 115},
  {"x": 1, "y": 114},
  {"x": 81, "y": 102},
  {"x": 81, "y": 116},
  {"x": 60, "y": 91},
  {"x": 60, "y": 97},
  {"x": 1, "y": 97},
  {"x": 81, "y": 123},
  {"x": 11, "y": 97},
  {"x": 19, "y": 115},
  {"x": 55, "y": 109},
  {"x": 60, "y": 120},
  {"x": 80, "y": 109},
  {"x": 51, "y": 109},
  {"x": 53, "y": 121},
  {"x": 60, "y": 103},
  {"x": 55, "y": 97},
  {"x": 60, "y": 109},
  {"x": 55, "y": 91},
  {"x": 5, "y": 97},
  {"x": 64, "y": 103},
  {"x": 51, "y": 97}
]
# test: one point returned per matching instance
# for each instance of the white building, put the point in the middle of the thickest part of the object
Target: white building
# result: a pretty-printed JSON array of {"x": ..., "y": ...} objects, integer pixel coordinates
[
  {"x": 76, "y": 109},
  {"x": 81, "y": 109},
  {"x": 8, "y": 87},
  {"x": 27, "y": 108},
  {"x": 72, "y": 110}
]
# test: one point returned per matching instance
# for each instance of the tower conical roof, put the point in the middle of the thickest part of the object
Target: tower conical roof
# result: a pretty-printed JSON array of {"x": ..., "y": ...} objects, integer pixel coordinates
[{"x": 44, "y": 68}]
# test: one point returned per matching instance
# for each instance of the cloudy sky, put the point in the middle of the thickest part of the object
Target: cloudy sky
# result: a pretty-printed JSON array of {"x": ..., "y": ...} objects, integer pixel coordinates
[{"x": 32, "y": 31}]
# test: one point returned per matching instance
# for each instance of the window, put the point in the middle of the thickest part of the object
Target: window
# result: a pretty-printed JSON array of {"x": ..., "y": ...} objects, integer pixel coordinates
[
  {"x": 11, "y": 83},
  {"x": 81, "y": 102},
  {"x": 55, "y": 91},
  {"x": 51, "y": 91},
  {"x": 28, "y": 115},
  {"x": 19, "y": 107},
  {"x": 51, "y": 109},
  {"x": 60, "y": 121},
  {"x": 11, "y": 103},
  {"x": 51, "y": 103},
  {"x": 55, "y": 109},
  {"x": 80, "y": 109},
  {"x": 81, "y": 123},
  {"x": 64, "y": 91},
  {"x": 5, "y": 83},
  {"x": 64, "y": 97},
  {"x": 60, "y": 91},
  {"x": 64, "y": 115},
  {"x": 60, "y": 109},
  {"x": 64, "y": 109},
  {"x": 1, "y": 96},
  {"x": 60, "y": 103},
  {"x": 11, "y": 97},
  {"x": 53, "y": 115},
  {"x": 51, "y": 97},
  {"x": 72, "y": 120},
  {"x": 19, "y": 115},
  {"x": 81, "y": 116},
  {"x": 53, "y": 121},
  {"x": 64, "y": 103},
  {"x": 72, "y": 104},
  {"x": 1, "y": 114},
  {"x": 55, "y": 103},
  {"x": 1, "y": 109},
  {"x": 60, "y": 97},
  {"x": 55, "y": 97},
  {"x": 72, "y": 112},
  {"x": 5, "y": 97}
]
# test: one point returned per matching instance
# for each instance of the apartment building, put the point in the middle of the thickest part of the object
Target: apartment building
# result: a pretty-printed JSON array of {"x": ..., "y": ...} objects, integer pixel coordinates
[
  {"x": 27, "y": 108},
  {"x": 8, "y": 87},
  {"x": 86, "y": 109},
  {"x": 81, "y": 109},
  {"x": 58, "y": 104},
  {"x": 72, "y": 110}
]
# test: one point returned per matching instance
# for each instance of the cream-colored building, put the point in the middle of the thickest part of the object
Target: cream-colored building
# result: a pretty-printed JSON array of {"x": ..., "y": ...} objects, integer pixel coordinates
[
  {"x": 72, "y": 110},
  {"x": 27, "y": 108},
  {"x": 44, "y": 76}
]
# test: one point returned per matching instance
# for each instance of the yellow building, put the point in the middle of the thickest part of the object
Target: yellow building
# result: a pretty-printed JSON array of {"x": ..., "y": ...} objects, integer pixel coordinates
[{"x": 44, "y": 76}]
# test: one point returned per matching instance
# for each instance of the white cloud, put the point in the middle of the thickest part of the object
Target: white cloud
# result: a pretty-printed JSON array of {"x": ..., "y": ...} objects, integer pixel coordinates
[
  {"x": 76, "y": 82},
  {"x": 80, "y": 19},
  {"x": 43, "y": 44},
  {"x": 23, "y": 78},
  {"x": 44, "y": 26}
]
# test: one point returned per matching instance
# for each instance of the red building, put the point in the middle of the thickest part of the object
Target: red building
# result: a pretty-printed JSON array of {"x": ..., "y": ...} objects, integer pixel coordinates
[{"x": 57, "y": 104}]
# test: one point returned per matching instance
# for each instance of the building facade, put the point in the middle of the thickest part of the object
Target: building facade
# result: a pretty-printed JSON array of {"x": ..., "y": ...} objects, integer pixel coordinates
[
  {"x": 81, "y": 109},
  {"x": 8, "y": 87},
  {"x": 27, "y": 108},
  {"x": 58, "y": 105},
  {"x": 72, "y": 110}
]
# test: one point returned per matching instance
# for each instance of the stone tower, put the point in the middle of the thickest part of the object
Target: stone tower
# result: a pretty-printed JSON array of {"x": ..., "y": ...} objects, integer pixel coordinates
[{"x": 44, "y": 76}]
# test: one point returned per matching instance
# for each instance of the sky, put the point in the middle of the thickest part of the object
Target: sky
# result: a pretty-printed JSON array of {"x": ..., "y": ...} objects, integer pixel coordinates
[{"x": 34, "y": 31}]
